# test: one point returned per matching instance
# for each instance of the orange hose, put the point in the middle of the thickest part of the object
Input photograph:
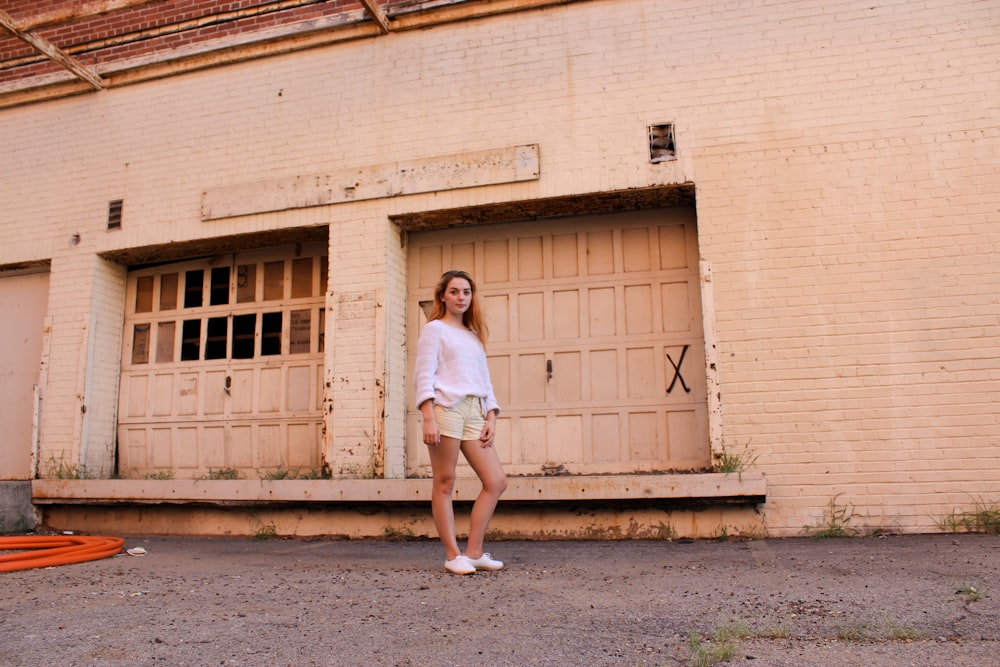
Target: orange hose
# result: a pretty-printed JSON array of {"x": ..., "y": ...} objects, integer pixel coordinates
[{"x": 50, "y": 550}]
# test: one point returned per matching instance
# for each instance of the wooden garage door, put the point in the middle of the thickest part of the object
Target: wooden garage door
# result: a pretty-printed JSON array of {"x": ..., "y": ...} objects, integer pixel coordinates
[
  {"x": 222, "y": 366},
  {"x": 596, "y": 345}
]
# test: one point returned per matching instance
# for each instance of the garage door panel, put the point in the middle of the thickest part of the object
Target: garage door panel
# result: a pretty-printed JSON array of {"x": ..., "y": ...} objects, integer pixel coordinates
[
  {"x": 603, "y": 375},
  {"x": 430, "y": 266},
  {"x": 213, "y": 447},
  {"x": 565, "y": 256},
  {"x": 674, "y": 249},
  {"x": 640, "y": 364},
  {"x": 531, "y": 379},
  {"x": 134, "y": 448},
  {"x": 299, "y": 385},
  {"x": 458, "y": 256},
  {"x": 241, "y": 447},
  {"x": 303, "y": 446},
  {"x": 600, "y": 253},
  {"x": 565, "y": 439},
  {"x": 566, "y": 314},
  {"x": 683, "y": 435},
  {"x": 531, "y": 432},
  {"x": 184, "y": 447},
  {"x": 676, "y": 307},
  {"x": 240, "y": 390},
  {"x": 601, "y": 306},
  {"x": 636, "y": 249},
  {"x": 638, "y": 309},
  {"x": 644, "y": 438},
  {"x": 187, "y": 394},
  {"x": 162, "y": 400},
  {"x": 530, "y": 317},
  {"x": 605, "y": 438},
  {"x": 138, "y": 387},
  {"x": 498, "y": 317},
  {"x": 690, "y": 372},
  {"x": 270, "y": 390},
  {"x": 567, "y": 377},
  {"x": 530, "y": 263},
  {"x": 161, "y": 454},
  {"x": 496, "y": 261},
  {"x": 502, "y": 441},
  {"x": 499, "y": 366},
  {"x": 215, "y": 397},
  {"x": 416, "y": 451},
  {"x": 270, "y": 452}
]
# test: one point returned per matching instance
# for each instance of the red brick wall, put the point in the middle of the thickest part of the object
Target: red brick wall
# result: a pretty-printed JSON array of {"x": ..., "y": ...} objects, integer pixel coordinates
[{"x": 147, "y": 28}]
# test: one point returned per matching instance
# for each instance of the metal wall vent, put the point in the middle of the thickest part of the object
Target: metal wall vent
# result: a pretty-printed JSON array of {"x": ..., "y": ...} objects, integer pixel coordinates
[{"x": 115, "y": 214}]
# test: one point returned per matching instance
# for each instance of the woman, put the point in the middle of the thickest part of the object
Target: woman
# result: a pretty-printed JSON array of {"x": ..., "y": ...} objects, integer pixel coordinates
[{"x": 455, "y": 397}]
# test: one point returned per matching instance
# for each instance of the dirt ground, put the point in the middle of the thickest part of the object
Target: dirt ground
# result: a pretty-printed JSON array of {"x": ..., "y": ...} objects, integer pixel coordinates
[{"x": 898, "y": 600}]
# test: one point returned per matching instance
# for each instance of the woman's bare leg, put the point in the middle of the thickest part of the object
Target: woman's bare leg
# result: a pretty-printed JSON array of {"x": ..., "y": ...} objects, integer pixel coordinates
[
  {"x": 444, "y": 458},
  {"x": 486, "y": 464}
]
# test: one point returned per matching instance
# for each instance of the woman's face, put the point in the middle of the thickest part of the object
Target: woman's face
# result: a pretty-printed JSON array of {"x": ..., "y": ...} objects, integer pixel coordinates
[{"x": 457, "y": 296}]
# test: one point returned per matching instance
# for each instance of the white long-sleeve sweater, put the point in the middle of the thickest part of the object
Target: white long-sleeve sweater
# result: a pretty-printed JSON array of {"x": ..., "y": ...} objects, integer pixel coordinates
[{"x": 451, "y": 364}]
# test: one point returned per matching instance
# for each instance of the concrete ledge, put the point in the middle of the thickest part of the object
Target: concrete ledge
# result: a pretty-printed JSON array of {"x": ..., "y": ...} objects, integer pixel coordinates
[{"x": 746, "y": 488}]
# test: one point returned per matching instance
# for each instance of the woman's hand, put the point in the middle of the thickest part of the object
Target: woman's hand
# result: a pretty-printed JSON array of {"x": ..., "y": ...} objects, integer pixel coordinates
[
  {"x": 432, "y": 436},
  {"x": 489, "y": 430}
]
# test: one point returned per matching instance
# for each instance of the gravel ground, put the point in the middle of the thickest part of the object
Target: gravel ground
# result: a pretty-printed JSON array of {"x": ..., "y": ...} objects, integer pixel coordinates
[{"x": 898, "y": 600}]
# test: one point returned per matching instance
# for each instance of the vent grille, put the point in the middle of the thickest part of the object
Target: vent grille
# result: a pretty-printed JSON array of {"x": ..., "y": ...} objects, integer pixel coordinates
[{"x": 115, "y": 214}]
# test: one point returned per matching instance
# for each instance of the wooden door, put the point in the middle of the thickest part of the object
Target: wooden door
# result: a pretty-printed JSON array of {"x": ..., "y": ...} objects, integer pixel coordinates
[
  {"x": 596, "y": 345},
  {"x": 23, "y": 307},
  {"x": 222, "y": 367}
]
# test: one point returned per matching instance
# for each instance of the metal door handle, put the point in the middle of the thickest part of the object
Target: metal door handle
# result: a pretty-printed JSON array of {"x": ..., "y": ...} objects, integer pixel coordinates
[{"x": 548, "y": 369}]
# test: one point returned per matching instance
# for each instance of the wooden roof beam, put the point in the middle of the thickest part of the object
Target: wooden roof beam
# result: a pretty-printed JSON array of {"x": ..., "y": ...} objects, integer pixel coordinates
[
  {"x": 51, "y": 51},
  {"x": 376, "y": 11}
]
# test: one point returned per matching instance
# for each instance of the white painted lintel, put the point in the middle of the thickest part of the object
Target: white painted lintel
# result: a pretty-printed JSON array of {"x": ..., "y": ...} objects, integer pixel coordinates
[{"x": 433, "y": 174}]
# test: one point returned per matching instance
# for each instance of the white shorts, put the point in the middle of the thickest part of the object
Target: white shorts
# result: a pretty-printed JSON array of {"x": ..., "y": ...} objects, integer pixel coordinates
[{"x": 463, "y": 421}]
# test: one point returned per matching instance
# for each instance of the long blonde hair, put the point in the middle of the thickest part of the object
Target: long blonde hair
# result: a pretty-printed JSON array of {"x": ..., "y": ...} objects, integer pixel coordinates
[{"x": 472, "y": 318}]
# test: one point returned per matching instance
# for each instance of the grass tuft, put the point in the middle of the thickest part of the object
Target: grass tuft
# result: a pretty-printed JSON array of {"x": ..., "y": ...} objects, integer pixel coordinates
[
  {"x": 836, "y": 522},
  {"x": 984, "y": 517}
]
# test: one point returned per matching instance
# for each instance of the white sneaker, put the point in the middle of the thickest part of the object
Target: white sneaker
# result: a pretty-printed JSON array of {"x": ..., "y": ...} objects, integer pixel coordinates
[
  {"x": 459, "y": 565},
  {"x": 484, "y": 562}
]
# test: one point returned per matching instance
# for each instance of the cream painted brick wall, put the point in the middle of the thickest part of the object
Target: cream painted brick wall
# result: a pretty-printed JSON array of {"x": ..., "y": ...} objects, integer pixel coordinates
[
  {"x": 79, "y": 400},
  {"x": 846, "y": 163},
  {"x": 397, "y": 374}
]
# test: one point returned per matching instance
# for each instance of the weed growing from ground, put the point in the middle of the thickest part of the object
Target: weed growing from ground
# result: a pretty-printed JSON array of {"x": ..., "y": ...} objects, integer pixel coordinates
[
  {"x": 223, "y": 473},
  {"x": 393, "y": 534},
  {"x": 983, "y": 518},
  {"x": 901, "y": 633},
  {"x": 970, "y": 593},
  {"x": 773, "y": 630},
  {"x": 720, "y": 647},
  {"x": 59, "y": 469},
  {"x": 836, "y": 522},
  {"x": 281, "y": 472},
  {"x": 261, "y": 530},
  {"x": 728, "y": 462},
  {"x": 852, "y": 632}
]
